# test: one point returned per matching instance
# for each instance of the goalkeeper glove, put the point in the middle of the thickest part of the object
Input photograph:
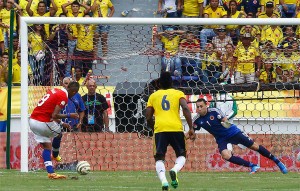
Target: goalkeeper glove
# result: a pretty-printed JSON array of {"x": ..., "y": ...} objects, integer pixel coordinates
[{"x": 226, "y": 124}]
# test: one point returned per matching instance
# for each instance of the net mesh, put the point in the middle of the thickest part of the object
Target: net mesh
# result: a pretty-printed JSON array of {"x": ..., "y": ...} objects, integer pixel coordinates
[{"x": 266, "y": 90}]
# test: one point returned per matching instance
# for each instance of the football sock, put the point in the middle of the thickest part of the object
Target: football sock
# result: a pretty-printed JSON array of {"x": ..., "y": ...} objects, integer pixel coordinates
[
  {"x": 47, "y": 160},
  {"x": 239, "y": 161},
  {"x": 55, "y": 146},
  {"x": 179, "y": 163},
  {"x": 264, "y": 152},
  {"x": 161, "y": 171}
]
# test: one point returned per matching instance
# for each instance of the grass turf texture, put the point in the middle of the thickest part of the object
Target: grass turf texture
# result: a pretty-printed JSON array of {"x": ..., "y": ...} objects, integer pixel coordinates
[{"x": 11, "y": 180}]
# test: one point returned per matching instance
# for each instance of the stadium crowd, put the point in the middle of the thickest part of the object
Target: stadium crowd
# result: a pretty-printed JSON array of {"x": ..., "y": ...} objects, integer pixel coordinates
[{"x": 197, "y": 54}]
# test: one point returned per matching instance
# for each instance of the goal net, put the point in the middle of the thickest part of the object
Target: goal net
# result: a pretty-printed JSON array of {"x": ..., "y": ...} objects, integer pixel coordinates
[{"x": 253, "y": 62}]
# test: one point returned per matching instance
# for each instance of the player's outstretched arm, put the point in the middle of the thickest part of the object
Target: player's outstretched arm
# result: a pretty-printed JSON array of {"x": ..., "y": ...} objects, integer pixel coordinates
[
  {"x": 149, "y": 117},
  {"x": 187, "y": 114}
]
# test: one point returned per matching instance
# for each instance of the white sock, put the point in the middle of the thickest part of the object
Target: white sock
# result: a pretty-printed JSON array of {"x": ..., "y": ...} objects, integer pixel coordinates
[
  {"x": 179, "y": 163},
  {"x": 161, "y": 171}
]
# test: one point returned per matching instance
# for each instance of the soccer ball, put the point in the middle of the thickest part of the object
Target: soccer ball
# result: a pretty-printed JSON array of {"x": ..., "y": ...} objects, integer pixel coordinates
[{"x": 83, "y": 167}]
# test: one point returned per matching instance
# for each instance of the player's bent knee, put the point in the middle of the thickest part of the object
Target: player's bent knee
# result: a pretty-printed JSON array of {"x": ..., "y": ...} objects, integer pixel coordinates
[
  {"x": 226, "y": 154},
  {"x": 158, "y": 157}
]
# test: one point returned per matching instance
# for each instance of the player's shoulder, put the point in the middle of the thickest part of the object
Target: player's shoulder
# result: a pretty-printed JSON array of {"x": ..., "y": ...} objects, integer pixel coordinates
[
  {"x": 213, "y": 110},
  {"x": 196, "y": 117}
]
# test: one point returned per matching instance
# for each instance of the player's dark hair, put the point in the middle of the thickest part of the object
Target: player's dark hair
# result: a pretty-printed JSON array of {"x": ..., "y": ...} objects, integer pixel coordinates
[
  {"x": 202, "y": 100},
  {"x": 165, "y": 80},
  {"x": 74, "y": 86}
]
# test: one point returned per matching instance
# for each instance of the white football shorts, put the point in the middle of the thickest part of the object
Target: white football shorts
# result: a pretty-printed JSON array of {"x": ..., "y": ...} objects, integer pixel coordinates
[{"x": 44, "y": 131}]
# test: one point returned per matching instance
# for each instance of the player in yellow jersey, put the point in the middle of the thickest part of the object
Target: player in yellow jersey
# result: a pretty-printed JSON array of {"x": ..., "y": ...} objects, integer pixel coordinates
[{"x": 164, "y": 104}]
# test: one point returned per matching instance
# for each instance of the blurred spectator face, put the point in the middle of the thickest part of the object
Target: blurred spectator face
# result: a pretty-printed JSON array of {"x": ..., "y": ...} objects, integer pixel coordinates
[
  {"x": 288, "y": 51},
  {"x": 75, "y": 8},
  {"x": 209, "y": 47},
  {"x": 269, "y": 7},
  {"x": 246, "y": 41},
  {"x": 78, "y": 72},
  {"x": 249, "y": 15},
  {"x": 295, "y": 46},
  {"x": 229, "y": 48},
  {"x": 268, "y": 66},
  {"x": 248, "y": 29},
  {"x": 214, "y": 3},
  {"x": 190, "y": 37},
  {"x": 9, "y": 5},
  {"x": 232, "y": 6},
  {"x": 91, "y": 86},
  {"x": 221, "y": 33},
  {"x": 66, "y": 82},
  {"x": 41, "y": 7},
  {"x": 15, "y": 43},
  {"x": 289, "y": 31},
  {"x": 4, "y": 58},
  {"x": 1, "y": 3},
  {"x": 38, "y": 26},
  {"x": 169, "y": 33}
]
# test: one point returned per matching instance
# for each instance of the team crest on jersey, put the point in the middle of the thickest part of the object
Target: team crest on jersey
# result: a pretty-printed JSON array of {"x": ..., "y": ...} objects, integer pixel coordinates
[
  {"x": 211, "y": 117},
  {"x": 63, "y": 103}
]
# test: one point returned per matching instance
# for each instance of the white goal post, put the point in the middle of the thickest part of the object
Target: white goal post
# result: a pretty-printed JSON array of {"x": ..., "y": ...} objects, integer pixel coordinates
[{"x": 25, "y": 21}]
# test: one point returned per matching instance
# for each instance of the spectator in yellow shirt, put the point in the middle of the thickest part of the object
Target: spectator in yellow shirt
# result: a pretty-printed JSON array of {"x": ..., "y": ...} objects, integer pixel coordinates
[
  {"x": 102, "y": 8},
  {"x": 288, "y": 61},
  {"x": 232, "y": 12},
  {"x": 213, "y": 10},
  {"x": 5, "y": 19},
  {"x": 211, "y": 66},
  {"x": 41, "y": 11},
  {"x": 244, "y": 58},
  {"x": 170, "y": 62},
  {"x": 273, "y": 33},
  {"x": 4, "y": 69},
  {"x": 74, "y": 12},
  {"x": 268, "y": 75},
  {"x": 84, "y": 51},
  {"x": 270, "y": 11},
  {"x": 36, "y": 41}
]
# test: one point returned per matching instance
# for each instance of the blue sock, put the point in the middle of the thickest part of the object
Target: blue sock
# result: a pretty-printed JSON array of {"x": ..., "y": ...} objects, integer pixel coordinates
[
  {"x": 240, "y": 161},
  {"x": 264, "y": 152},
  {"x": 55, "y": 145},
  {"x": 47, "y": 160}
]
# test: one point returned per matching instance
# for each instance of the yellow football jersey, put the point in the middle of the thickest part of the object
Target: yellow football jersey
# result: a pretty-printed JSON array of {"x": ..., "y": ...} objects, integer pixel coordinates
[{"x": 166, "y": 110}]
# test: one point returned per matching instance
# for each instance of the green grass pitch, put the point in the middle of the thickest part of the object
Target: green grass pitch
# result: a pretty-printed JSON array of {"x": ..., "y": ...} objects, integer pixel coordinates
[{"x": 12, "y": 180}]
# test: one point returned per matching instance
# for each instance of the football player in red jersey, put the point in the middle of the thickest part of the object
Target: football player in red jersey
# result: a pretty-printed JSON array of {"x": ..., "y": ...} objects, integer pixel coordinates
[{"x": 45, "y": 122}]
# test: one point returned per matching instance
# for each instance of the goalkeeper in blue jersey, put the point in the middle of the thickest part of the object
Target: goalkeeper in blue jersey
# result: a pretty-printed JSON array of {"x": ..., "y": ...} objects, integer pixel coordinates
[{"x": 216, "y": 123}]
